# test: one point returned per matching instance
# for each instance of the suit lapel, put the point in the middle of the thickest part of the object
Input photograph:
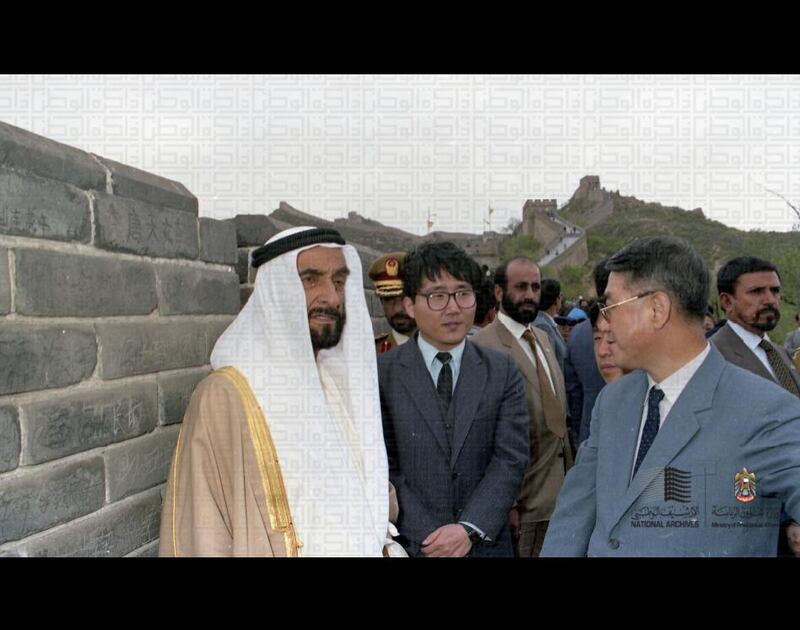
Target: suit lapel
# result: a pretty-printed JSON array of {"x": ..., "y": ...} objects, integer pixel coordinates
[
  {"x": 682, "y": 423},
  {"x": 747, "y": 359},
  {"x": 416, "y": 380},
  {"x": 555, "y": 369},
  {"x": 625, "y": 429},
  {"x": 518, "y": 354},
  {"x": 472, "y": 378}
]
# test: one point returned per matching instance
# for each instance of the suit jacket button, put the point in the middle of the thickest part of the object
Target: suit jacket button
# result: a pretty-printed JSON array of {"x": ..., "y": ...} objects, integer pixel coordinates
[
  {"x": 613, "y": 543},
  {"x": 455, "y": 475}
]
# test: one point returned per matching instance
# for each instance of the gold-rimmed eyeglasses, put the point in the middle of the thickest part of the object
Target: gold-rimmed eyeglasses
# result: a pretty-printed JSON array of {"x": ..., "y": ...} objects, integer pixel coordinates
[{"x": 604, "y": 309}]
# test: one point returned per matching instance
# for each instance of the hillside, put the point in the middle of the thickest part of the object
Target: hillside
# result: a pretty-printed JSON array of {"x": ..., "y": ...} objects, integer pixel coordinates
[{"x": 714, "y": 241}]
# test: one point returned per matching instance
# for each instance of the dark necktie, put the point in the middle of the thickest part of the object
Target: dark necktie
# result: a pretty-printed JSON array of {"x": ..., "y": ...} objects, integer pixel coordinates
[
  {"x": 444, "y": 385},
  {"x": 650, "y": 425},
  {"x": 781, "y": 370}
]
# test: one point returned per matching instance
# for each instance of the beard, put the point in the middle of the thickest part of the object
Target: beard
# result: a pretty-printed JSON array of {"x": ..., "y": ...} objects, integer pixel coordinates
[
  {"x": 402, "y": 323},
  {"x": 330, "y": 334},
  {"x": 513, "y": 309},
  {"x": 769, "y": 324}
]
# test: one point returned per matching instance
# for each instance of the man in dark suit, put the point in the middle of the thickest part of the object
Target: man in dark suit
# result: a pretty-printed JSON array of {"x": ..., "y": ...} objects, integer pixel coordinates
[
  {"x": 583, "y": 379},
  {"x": 549, "y": 307},
  {"x": 750, "y": 292},
  {"x": 688, "y": 455},
  {"x": 455, "y": 421},
  {"x": 517, "y": 287}
]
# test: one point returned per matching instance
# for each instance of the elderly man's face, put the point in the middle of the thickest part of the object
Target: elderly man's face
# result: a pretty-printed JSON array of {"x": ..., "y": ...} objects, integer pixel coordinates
[
  {"x": 324, "y": 272},
  {"x": 627, "y": 330}
]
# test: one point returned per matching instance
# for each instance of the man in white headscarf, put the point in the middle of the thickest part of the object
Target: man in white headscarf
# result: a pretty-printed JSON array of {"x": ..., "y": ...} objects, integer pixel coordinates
[{"x": 281, "y": 452}]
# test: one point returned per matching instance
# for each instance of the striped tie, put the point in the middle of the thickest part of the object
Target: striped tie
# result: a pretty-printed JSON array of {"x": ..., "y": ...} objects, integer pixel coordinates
[{"x": 780, "y": 369}]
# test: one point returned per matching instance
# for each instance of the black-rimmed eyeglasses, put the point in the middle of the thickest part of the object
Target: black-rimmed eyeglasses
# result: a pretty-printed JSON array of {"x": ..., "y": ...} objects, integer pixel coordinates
[{"x": 438, "y": 300}]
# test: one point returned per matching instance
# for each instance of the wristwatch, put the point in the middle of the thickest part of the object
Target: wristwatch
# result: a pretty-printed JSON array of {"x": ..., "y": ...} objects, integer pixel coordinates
[{"x": 472, "y": 533}]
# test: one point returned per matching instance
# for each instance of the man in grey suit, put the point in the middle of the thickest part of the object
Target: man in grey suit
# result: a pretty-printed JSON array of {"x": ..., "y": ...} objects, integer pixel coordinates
[
  {"x": 750, "y": 292},
  {"x": 455, "y": 421},
  {"x": 549, "y": 306},
  {"x": 688, "y": 455}
]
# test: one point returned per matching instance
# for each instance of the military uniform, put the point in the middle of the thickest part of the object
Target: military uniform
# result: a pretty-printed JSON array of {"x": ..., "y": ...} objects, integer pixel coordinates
[
  {"x": 385, "y": 273},
  {"x": 389, "y": 340}
]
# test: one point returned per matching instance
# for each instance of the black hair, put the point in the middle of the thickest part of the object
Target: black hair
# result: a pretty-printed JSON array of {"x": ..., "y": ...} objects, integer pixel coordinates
[
  {"x": 431, "y": 259},
  {"x": 731, "y": 270}
]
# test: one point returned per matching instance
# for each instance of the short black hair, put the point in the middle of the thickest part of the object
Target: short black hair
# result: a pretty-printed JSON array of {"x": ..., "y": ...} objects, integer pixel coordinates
[
  {"x": 484, "y": 300},
  {"x": 731, "y": 270},
  {"x": 666, "y": 263},
  {"x": 501, "y": 275},
  {"x": 600, "y": 275},
  {"x": 593, "y": 311},
  {"x": 551, "y": 289},
  {"x": 431, "y": 259}
]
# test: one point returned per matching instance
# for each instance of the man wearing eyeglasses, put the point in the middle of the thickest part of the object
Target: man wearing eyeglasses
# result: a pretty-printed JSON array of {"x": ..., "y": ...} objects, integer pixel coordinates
[
  {"x": 688, "y": 455},
  {"x": 518, "y": 290},
  {"x": 454, "y": 415}
]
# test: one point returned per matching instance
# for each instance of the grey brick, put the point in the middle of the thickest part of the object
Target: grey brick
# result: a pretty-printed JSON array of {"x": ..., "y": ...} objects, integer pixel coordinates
[
  {"x": 39, "y": 499},
  {"x": 154, "y": 189},
  {"x": 148, "y": 551},
  {"x": 128, "y": 349},
  {"x": 55, "y": 283},
  {"x": 140, "y": 463},
  {"x": 42, "y": 357},
  {"x": 9, "y": 438},
  {"x": 218, "y": 241},
  {"x": 137, "y": 227},
  {"x": 196, "y": 291},
  {"x": 41, "y": 208},
  {"x": 244, "y": 295},
  {"x": 243, "y": 263},
  {"x": 112, "y": 532},
  {"x": 215, "y": 329},
  {"x": 253, "y": 229},
  {"x": 243, "y": 267},
  {"x": 78, "y": 422},
  {"x": 20, "y": 149},
  {"x": 5, "y": 283},
  {"x": 174, "y": 392}
]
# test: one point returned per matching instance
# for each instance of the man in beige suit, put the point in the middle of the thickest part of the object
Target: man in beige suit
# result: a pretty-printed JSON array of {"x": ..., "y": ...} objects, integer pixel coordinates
[{"x": 518, "y": 288}]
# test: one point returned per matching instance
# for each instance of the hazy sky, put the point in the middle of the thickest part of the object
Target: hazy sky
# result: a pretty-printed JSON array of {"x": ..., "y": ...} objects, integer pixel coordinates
[{"x": 394, "y": 148}]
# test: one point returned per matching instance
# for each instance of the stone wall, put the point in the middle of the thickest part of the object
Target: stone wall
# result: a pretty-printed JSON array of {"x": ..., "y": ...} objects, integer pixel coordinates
[
  {"x": 574, "y": 256},
  {"x": 112, "y": 294}
]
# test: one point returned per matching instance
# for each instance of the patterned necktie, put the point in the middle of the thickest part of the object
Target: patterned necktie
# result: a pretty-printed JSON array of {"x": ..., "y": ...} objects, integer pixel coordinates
[
  {"x": 554, "y": 416},
  {"x": 444, "y": 385},
  {"x": 780, "y": 369},
  {"x": 650, "y": 425}
]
